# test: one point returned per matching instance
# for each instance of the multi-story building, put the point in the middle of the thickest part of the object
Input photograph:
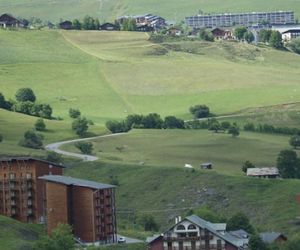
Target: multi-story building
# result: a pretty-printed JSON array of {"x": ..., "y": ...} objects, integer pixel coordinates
[
  {"x": 89, "y": 207},
  {"x": 194, "y": 233},
  {"x": 21, "y": 194},
  {"x": 243, "y": 19},
  {"x": 145, "y": 20}
]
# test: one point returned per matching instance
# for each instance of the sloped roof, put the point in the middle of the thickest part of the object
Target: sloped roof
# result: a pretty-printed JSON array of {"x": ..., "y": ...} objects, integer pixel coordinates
[
  {"x": 242, "y": 234},
  {"x": 262, "y": 171},
  {"x": 75, "y": 182},
  {"x": 10, "y": 159},
  {"x": 270, "y": 237}
]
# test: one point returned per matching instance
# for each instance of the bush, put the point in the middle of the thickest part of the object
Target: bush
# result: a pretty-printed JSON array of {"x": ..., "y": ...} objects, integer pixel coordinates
[
  {"x": 32, "y": 140},
  {"x": 117, "y": 127},
  {"x": 54, "y": 157},
  {"x": 276, "y": 40},
  {"x": 84, "y": 147},
  {"x": 173, "y": 122},
  {"x": 152, "y": 120},
  {"x": 225, "y": 125},
  {"x": 30, "y": 108},
  {"x": 25, "y": 94},
  {"x": 200, "y": 111},
  {"x": 74, "y": 113},
  {"x": 234, "y": 131},
  {"x": 134, "y": 119},
  {"x": 239, "y": 221},
  {"x": 295, "y": 141},
  {"x": 3, "y": 103},
  {"x": 80, "y": 126},
  {"x": 40, "y": 125}
]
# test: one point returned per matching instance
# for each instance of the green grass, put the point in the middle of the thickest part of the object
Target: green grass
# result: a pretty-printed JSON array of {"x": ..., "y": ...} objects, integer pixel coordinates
[
  {"x": 166, "y": 192},
  {"x": 15, "y": 235},
  {"x": 175, "y": 148},
  {"x": 109, "y": 10}
]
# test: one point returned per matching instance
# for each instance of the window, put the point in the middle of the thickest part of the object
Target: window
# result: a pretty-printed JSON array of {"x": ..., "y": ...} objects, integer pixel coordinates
[
  {"x": 192, "y": 227},
  {"x": 219, "y": 245},
  {"x": 181, "y": 227}
]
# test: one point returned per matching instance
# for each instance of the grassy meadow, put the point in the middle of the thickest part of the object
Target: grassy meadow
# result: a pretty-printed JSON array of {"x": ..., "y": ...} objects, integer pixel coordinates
[{"x": 109, "y": 10}]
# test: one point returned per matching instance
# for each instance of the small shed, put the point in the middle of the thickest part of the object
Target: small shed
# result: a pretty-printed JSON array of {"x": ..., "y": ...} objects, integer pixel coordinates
[
  {"x": 108, "y": 27},
  {"x": 207, "y": 165},
  {"x": 270, "y": 172},
  {"x": 66, "y": 25}
]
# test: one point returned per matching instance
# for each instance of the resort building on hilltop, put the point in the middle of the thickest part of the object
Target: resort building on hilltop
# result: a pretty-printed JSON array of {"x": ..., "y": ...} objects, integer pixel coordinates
[
  {"x": 194, "y": 233},
  {"x": 89, "y": 207},
  {"x": 21, "y": 194},
  {"x": 242, "y": 19}
]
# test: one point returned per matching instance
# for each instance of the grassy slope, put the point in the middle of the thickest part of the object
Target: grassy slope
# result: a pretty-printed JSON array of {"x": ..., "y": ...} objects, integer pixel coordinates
[
  {"x": 13, "y": 126},
  {"x": 15, "y": 235},
  {"x": 171, "y": 9},
  {"x": 270, "y": 204}
]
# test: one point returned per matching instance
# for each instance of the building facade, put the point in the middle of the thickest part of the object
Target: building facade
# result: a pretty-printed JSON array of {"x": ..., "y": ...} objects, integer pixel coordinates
[
  {"x": 242, "y": 19},
  {"x": 21, "y": 194},
  {"x": 89, "y": 207},
  {"x": 194, "y": 233}
]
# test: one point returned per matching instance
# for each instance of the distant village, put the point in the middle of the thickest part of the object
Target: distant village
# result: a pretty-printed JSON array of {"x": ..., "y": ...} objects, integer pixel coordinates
[{"x": 219, "y": 26}]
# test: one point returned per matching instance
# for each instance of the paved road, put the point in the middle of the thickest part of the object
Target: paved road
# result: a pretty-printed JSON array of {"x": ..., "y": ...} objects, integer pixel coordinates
[{"x": 55, "y": 147}]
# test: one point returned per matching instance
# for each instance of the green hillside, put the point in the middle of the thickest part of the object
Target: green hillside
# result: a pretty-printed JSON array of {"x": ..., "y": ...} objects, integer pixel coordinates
[
  {"x": 15, "y": 235},
  {"x": 109, "y": 10}
]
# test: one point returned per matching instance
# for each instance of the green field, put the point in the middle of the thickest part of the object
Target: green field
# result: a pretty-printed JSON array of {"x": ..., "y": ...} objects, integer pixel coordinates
[{"x": 109, "y": 10}]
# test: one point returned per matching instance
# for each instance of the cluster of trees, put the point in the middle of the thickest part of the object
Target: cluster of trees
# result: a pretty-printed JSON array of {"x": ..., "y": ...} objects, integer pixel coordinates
[
  {"x": 243, "y": 34},
  {"x": 150, "y": 121},
  {"x": 267, "y": 128},
  {"x": 288, "y": 164},
  {"x": 32, "y": 139},
  {"x": 80, "y": 125},
  {"x": 206, "y": 35},
  {"x": 129, "y": 24},
  {"x": 271, "y": 37},
  {"x": 88, "y": 23},
  {"x": 84, "y": 147},
  {"x": 25, "y": 103}
]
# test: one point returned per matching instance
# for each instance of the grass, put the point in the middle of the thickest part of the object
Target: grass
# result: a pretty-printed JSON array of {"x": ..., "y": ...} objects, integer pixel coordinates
[
  {"x": 175, "y": 148},
  {"x": 15, "y": 235},
  {"x": 109, "y": 10}
]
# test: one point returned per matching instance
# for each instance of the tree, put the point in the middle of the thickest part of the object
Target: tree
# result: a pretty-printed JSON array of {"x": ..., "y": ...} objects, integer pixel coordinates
[
  {"x": 1, "y": 138},
  {"x": 61, "y": 238},
  {"x": 88, "y": 23},
  {"x": 40, "y": 125},
  {"x": 117, "y": 127},
  {"x": 76, "y": 24},
  {"x": 84, "y": 147},
  {"x": 256, "y": 243},
  {"x": 54, "y": 157},
  {"x": 249, "y": 37},
  {"x": 264, "y": 35},
  {"x": 225, "y": 125},
  {"x": 295, "y": 45},
  {"x": 173, "y": 122},
  {"x": 152, "y": 120},
  {"x": 74, "y": 113},
  {"x": 239, "y": 32},
  {"x": 3, "y": 103},
  {"x": 246, "y": 165},
  {"x": 276, "y": 40},
  {"x": 206, "y": 35},
  {"x": 295, "y": 141},
  {"x": 134, "y": 119},
  {"x": 148, "y": 222},
  {"x": 215, "y": 126},
  {"x": 288, "y": 164},
  {"x": 129, "y": 25},
  {"x": 234, "y": 131},
  {"x": 80, "y": 126},
  {"x": 25, "y": 94},
  {"x": 32, "y": 140},
  {"x": 240, "y": 221},
  {"x": 200, "y": 111}
]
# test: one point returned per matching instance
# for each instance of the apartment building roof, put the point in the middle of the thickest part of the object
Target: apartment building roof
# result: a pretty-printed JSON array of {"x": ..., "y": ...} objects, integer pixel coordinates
[
  {"x": 25, "y": 158},
  {"x": 66, "y": 180}
]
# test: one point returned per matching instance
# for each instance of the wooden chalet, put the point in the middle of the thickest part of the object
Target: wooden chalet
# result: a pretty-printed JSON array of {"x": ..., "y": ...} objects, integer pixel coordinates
[
  {"x": 8, "y": 21},
  {"x": 270, "y": 172},
  {"x": 66, "y": 25}
]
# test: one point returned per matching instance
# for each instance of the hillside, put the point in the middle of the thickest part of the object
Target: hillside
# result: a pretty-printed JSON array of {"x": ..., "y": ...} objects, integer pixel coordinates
[
  {"x": 15, "y": 235},
  {"x": 111, "y": 74},
  {"x": 109, "y": 10}
]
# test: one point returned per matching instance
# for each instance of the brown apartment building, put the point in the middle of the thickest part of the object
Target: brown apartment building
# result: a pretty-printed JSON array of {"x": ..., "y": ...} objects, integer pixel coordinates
[
  {"x": 21, "y": 194},
  {"x": 86, "y": 205}
]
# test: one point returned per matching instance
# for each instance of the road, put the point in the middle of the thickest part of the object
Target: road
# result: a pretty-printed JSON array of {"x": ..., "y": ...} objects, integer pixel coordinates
[{"x": 55, "y": 146}]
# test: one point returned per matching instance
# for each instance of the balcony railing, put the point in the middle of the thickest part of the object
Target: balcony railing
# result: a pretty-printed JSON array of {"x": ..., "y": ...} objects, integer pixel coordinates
[{"x": 210, "y": 247}]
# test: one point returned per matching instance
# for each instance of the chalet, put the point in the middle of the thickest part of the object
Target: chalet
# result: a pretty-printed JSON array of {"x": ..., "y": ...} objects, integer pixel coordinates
[
  {"x": 207, "y": 165},
  {"x": 271, "y": 172},
  {"x": 220, "y": 34},
  {"x": 8, "y": 21},
  {"x": 109, "y": 27},
  {"x": 173, "y": 31},
  {"x": 144, "y": 28},
  {"x": 273, "y": 237},
  {"x": 66, "y": 25},
  {"x": 195, "y": 233},
  {"x": 290, "y": 34}
]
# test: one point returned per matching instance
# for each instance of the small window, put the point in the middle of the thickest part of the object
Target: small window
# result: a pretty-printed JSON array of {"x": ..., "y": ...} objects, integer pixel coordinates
[
  {"x": 192, "y": 227},
  {"x": 50, "y": 166},
  {"x": 181, "y": 227}
]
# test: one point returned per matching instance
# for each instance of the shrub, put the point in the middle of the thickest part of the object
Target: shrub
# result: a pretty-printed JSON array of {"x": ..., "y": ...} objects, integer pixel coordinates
[
  {"x": 84, "y": 147},
  {"x": 152, "y": 120},
  {"x": 32, "y": 140},
  {"x": 25, "y": 94},
  {"x": 117, "y": 127},
  {"x": 239, "y": 221},
  {"x": 234, "y": 131},
  {"x": 225, "y": 125},
  {"x": 80, "y": 126},
  {"x": 200, "y": 111},
  {"x": 173, "y": 122},
  {"x": 74, "y": 113},
  {"x": 40, "y": 125},
  {"x": 54, "y": 157}
]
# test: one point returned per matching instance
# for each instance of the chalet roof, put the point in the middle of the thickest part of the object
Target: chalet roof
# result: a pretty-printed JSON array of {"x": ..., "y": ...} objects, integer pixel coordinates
[
  {"x": 66, "y": 180},
  {"x": 242, "y": 234},
  {"x": 8, "y": 18},
  {"x": 262, "y": 171},
  {"x": 11, "y": 159},
  {"x": 291, "y": 31},
  {"x": 270, "y": 237},
  {"x": 65, "y": 22}
]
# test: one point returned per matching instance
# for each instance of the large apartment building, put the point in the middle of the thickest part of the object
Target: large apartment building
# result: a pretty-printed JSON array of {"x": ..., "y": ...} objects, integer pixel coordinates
[
  {"x": 86, "y": 205},
  {"x": 243, "y": 19},
  {"x": 21, "y": 194}
]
